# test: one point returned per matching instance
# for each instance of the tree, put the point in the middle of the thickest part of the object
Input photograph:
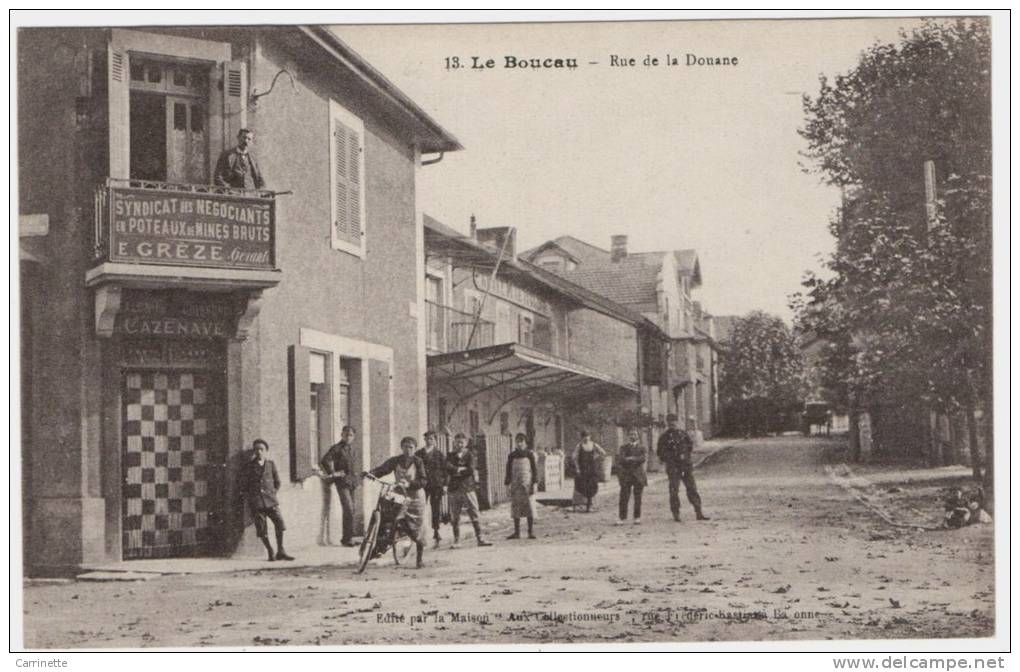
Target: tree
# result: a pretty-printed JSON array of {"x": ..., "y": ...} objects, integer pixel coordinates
[
  {"x": 907, "y": 300},
  {"x": 761, "y": 377}
]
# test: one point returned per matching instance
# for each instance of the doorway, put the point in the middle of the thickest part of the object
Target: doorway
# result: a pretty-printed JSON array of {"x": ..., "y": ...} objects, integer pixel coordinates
[{"x": 174, "y": 463}]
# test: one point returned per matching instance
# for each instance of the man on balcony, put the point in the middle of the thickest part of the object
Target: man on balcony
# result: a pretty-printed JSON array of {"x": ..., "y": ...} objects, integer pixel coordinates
[{"x": 237, "y": 167}]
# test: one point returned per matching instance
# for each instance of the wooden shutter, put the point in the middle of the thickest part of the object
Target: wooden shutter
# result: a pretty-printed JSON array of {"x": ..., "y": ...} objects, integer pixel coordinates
[
  {"x": 119, "y": 112},
  {"x": 235, "y": 97},
  {"x": 298, "y": 388},
  {"x": 346, "y": 146},
  {"x": 382, "y": 442}
]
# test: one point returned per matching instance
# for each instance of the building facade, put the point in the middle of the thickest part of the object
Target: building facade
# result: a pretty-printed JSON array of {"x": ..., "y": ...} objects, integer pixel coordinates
[
  {"x": 167, "y": 322},
  {"x": 515, "y": 348},
  {"x": 659, "y": 286}
]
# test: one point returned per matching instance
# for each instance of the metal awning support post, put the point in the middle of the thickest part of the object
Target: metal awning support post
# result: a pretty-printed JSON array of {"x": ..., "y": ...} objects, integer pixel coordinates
[{"x": 488, "y": 287}]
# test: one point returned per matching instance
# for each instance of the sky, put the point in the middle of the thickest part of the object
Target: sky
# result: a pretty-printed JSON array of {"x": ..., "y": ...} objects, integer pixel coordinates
[{"x": 672, "y": 156}]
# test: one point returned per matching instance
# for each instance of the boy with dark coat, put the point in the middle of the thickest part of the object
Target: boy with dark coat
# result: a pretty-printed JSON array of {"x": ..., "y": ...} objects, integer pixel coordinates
[
  {"x": 674, "y": 451},
  {"x": 338, "y": 466},
  {"x": 259, "y": 482}
]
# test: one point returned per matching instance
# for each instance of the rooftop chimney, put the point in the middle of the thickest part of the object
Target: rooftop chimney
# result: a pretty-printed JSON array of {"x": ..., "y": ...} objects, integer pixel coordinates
[
  {"x": 474, "y": 228},
  {"x": 618, "y": 247}
]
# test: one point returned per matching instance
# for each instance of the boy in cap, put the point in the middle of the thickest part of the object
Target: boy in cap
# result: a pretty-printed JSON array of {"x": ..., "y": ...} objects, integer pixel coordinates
[{"x": 259, "y": 483}]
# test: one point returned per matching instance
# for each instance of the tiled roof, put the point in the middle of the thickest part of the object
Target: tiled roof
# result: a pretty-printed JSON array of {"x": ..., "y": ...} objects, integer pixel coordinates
[
  {"x": 583, "y": 252},
  {"x": 686, "y": 262},
  {"x": 564, "y": 284},
  {"x": 438, "y": 226},
  {"x": 591, "y": 255},
  {"x": 627, "y": 281}
]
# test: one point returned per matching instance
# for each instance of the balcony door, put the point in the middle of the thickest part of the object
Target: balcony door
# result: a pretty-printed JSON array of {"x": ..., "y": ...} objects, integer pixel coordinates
[{"x": 169, "y": 121}]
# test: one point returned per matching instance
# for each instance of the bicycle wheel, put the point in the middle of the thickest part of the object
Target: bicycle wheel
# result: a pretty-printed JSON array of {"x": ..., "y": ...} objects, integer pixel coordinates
[{"x": 368, "y": 543}]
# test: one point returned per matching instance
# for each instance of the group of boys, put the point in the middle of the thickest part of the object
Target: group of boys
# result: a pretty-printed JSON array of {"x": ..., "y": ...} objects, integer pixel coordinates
[{"x": 451, "y": 475}]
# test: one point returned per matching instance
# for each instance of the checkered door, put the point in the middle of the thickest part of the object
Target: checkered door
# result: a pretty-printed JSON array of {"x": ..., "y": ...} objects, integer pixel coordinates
[{"x": 172, "y": 483}]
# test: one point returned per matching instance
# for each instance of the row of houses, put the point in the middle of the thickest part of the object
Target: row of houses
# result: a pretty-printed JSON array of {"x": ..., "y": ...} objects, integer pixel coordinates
[{"x": 166, "y": 323}]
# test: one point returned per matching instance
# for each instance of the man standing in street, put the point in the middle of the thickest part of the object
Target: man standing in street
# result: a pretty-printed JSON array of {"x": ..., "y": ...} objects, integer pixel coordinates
[
  {"x": 434, "y": 460},
  {"x": 460, "y": 465},
  {"x": 674, "y": 451},
  {"x": 338, "y": 466},
  {"x": 237, "y": 167}
]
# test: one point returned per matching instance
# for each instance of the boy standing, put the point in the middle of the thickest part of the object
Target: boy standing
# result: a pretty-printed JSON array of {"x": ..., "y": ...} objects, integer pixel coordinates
[
  {"x": 338, "y": 466},
  {"x": 259, "y": 483},
  {"x": 434, "y": 460},
  {"x": 460, "y": 465},
  {"x": 631, "y": 473}
]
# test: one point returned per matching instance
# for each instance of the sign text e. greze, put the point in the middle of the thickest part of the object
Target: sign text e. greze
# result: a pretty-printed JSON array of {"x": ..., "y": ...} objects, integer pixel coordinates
[{"x": 190, "y": 229}]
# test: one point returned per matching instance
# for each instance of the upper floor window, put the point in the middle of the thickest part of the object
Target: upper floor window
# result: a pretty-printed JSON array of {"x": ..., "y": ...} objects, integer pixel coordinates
[
  {"x": 526, "y": 331},
  {"x": 167, "y": 111},
  {"x": 347, "y": 180},
  {"x": 436, "y": 309},
  {"x": 174, "y": 104}
]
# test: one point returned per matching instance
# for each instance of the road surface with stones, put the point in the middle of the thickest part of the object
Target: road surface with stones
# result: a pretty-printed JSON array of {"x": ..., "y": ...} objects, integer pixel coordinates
[{"x": 788, "y": 554}]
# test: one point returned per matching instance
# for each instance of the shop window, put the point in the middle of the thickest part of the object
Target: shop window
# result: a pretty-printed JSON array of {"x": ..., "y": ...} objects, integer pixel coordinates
[{"x": 347, "y": 181}]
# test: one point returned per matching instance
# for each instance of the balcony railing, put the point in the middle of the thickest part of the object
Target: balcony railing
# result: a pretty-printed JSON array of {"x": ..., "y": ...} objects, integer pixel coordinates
[
  {"x": 164, "y": 223},
  {"x": 450, "y": 330}
]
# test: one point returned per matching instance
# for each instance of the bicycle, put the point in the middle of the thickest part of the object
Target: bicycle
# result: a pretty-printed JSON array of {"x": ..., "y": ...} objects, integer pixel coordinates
[{"x": 383, "y": 531}]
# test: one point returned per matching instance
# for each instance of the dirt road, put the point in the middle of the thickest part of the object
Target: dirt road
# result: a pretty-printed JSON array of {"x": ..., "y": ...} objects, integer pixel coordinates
[{"x": 787, "y": 555}]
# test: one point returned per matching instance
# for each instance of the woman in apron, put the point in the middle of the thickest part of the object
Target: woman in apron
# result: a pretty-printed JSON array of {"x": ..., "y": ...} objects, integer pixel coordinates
[
  {"x": 409, "y": 472},
  {"x": 586, "y": 463},
  {"x": 521, "y": 476}
]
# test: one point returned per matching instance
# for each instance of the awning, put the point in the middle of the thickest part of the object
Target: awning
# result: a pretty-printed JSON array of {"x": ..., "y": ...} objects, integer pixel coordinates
[{"x": 511, "y": 371}]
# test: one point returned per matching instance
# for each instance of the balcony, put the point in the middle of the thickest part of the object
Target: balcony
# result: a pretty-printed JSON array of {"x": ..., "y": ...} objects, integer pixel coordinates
[
  {"x": 157, "y": 234},
  {"x": 452, "y": 330}
]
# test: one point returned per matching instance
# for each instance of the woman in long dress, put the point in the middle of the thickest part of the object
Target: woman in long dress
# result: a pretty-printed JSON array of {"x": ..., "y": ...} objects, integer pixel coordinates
[
  {"x": 409, "y": 473},
  {"x": 521, "y": 476},
  {"x": 586, "y": 465}
]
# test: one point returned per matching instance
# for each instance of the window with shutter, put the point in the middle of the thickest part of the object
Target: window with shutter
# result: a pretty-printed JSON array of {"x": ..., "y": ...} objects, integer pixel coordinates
[{"x": 347, "y": 182}]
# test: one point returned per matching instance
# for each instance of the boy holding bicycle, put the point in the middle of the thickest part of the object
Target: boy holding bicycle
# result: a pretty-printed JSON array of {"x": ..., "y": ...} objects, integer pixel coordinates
[{"x": 409, "y": 473}]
